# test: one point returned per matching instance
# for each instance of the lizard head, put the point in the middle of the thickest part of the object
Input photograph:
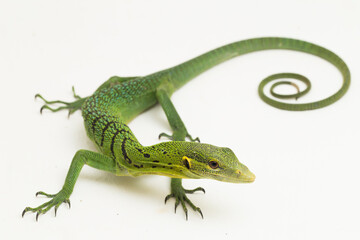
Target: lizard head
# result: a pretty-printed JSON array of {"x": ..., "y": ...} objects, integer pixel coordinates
[
  {"x": 218, "y": 163},
  {"x": 180, "y": 159}
]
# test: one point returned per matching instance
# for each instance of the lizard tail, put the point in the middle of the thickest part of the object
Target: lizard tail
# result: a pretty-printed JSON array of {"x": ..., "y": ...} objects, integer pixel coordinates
[{"x": 184, "y": 72}]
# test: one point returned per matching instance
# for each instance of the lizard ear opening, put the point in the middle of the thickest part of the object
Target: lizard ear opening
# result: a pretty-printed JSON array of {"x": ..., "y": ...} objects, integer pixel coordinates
[{"x": 186, "y": 162}]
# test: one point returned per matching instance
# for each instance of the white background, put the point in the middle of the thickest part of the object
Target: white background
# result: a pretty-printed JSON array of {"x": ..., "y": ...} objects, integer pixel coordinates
[{"x": 306, "y": 163}]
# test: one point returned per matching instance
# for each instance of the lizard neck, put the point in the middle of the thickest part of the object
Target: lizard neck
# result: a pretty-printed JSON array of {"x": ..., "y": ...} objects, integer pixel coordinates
[{"x": 166, "y": 159}]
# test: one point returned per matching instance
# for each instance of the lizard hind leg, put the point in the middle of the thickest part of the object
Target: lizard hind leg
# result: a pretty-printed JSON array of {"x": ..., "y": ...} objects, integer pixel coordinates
[{"x": 71, "y": 106}]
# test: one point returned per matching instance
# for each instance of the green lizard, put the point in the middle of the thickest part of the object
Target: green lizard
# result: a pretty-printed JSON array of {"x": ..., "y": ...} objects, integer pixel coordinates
[{"x": 120, "y": 99}]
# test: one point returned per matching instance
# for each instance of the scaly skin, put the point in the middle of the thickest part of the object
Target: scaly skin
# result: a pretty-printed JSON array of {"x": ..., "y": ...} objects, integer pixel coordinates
[{"x": 119, "y": 100}]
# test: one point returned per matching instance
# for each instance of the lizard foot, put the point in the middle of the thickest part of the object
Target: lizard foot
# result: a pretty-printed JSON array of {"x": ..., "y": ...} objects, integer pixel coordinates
[
  {"x": 56, "y": 201},
  {"x": 71, "y": 106},
  {"x": 179, "y": 193},
  {"x": 172, "y": 137}
]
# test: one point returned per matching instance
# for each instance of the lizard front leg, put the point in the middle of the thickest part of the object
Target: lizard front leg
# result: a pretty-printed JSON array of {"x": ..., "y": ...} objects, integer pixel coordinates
[
  {"x": 82, "y": 157},
  {"x": 179, "y": 134},
  {"x": 178, "y": 127}
]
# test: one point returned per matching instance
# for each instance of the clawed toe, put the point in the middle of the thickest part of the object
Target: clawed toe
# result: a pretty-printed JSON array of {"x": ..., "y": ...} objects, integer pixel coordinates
[
  {"x": 171, "y": 137},
  {"x": 41, "y": 193},
  {"x": 52, "y": 109},
  {"x": 71, "y": 106},
  {"x": 181, "y": 198},
  {"x": 39, "y": 210},
  {"x": 192, "y": 139},
  {"x": 168, "y": 197},
  {"x": 74, "y": 94},
  {"x": 195, "y": 190},
  {"x": 50, "y": 102},
  {"x": 56, "y": 201},
  {"x": 68, "y": 202}
]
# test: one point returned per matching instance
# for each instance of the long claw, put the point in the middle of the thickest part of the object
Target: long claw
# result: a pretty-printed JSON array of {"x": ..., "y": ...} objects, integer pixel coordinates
[
  {"x": 72, "y": 106},
  {"x": 177, "y": 204},
  {"x": 50, "y": 102},
  {"x": 68, "y": 202},
  {"x": 168, "y": 197},
  {"x": 75, "y": 95},
  {"x": 195, "y": 190},
  {"x": 23, "y": 213},
  {"x": 195, "y": 208},
  {"x": 171, "y": 137},
  {"x": 185, "y": 209},
  {"x": 192, "y": 139},
  {"x": 52, "y": 109},
  {"x": 165, "y": 135},
  {"x": 56, "y": 201},
  {"x": 42, "y": 108},
  {"x": 179, "y": 194},
  {"x": 45, "y": 194},
  {"x": 199, "y": 210},
  {"x": 56, "y": 208}
]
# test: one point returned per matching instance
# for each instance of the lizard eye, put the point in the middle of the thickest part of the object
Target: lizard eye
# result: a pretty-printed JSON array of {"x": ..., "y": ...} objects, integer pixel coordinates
[{"x": 213, "y": 164}]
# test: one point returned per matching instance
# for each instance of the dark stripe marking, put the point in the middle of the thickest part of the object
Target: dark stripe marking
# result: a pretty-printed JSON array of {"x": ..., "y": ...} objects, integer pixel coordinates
[
  {"x": 113, "y": 142},
  {"x": 124, "y": 151},
  {"x": 155, "y": 161},
  {"x": 146, "y": 155},
  {"x": 95, "y": 121},
  {"x": 103, "y": 132}
]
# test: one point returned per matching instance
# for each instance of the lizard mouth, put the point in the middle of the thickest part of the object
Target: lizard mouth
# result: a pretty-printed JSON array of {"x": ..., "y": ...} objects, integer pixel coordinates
[
  {"x": 237, "y": 177},
  {"x": 249, "y": 177},
  {"x": 248, "y": 180}
]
